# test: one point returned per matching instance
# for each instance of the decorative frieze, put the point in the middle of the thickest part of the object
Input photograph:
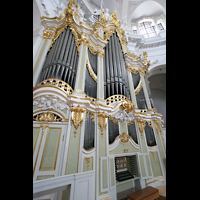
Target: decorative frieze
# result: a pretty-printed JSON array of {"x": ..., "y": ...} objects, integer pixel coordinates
[{"x": 50, "y": 102}]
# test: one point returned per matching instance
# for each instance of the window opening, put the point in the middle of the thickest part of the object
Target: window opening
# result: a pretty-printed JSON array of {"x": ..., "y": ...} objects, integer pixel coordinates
[
  {"x": 147, "y": 29},
  {"x": 161, "y": 27}
]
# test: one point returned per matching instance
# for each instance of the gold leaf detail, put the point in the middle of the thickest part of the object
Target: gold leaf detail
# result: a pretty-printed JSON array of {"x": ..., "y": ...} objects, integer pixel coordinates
[
  {"x": 77, "y": 115},
  {"x": 102, "y": 121},
  {"x": 124, "y": 137}
]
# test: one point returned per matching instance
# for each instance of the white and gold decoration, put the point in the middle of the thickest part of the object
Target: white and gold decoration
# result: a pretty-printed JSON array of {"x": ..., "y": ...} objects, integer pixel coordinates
[{"x": 63, "y": 164}]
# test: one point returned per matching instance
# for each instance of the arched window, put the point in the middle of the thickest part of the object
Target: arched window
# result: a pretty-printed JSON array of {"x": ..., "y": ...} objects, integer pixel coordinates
[{"x": 147, "y": 29}]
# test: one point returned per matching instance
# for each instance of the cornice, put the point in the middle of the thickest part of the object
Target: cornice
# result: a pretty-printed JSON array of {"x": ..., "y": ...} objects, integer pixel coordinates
[{"x": 64, "y": 97}]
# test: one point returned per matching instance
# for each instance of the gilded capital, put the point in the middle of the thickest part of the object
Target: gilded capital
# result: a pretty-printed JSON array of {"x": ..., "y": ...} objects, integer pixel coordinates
[
  {"x": 100, "y": 53},
  {"x": 84, "y": 41},
  {"x": 47, "y": 34}
]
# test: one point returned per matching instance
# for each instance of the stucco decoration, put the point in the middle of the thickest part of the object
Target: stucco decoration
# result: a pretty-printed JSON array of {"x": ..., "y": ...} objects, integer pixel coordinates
[
  {"x": 50, "y": 102},
  {"x": 125, "y": 114}
]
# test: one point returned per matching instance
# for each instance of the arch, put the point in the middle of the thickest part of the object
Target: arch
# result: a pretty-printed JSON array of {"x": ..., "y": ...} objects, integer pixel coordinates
[
  {"x": 51, "y": 115},
  {"x": 158, "y": 69},
  {"x": 144, "y": 7}
]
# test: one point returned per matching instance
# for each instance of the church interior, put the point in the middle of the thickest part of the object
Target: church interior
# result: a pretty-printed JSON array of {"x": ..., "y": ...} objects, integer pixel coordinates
[{"x": 99, "y": 99}]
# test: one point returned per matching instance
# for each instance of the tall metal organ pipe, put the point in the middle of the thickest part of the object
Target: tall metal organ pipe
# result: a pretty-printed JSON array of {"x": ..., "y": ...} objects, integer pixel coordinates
[
  {"x": 61, "y": 60},
  {"x": 116, "y": 77}
]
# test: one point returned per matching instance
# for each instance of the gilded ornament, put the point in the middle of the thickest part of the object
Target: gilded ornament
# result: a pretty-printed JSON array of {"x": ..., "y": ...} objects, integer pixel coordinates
[
  {"x": 87, "y": 161},
  {"x": 149, "y": 123},
  {"x": 157, "y": 127},
  {"x": 102, "y": 121},
  {"x": 90, "y": 70},
  {"x": 124, "y": 137},
  {"x": 44, "y": 126},
  {"x": 84, "y": 41},
  {"x": 141, "y": 125},
  {"x": 77, "y": 116},
  {"x": 47, "y": 34},
  {"x": 100, "y": 53},
  {"x": 128, "y": 106},
  {"x": 145, "y": 57},
  {"x": 103, "y": 18},
  {"x": 114, "y": 19},
  {"x": 142, "y": 72},
  {"x": 47, "y": 117},
  {"x": 138, "y": 88},
  {"x": 153, "y": 153},
  {"x": 62, "y": 85},
  {"x": 132, "y": 55}
]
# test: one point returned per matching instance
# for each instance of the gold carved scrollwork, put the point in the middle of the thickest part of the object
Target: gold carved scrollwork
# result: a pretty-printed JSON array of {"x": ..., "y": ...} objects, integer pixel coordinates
[
  {"x": 91, "y": 72},
  {"x": 47, "y": 34},
  {"x": 141, "y": 125},
  {"x": 102, "y": 121},
  {"x": 84, "y": 41},
  {"x": 138, "y": 88},
  {"x": 103, "y": 18},
  {"x": 124, "y": 137},
  {"x": 77, "y": 117},
  {"x": 114, "y": 19},
  {"x": 142, "y": 72},
  {"x": 44, "y": 126},
  {"x": 47, "y": 117},
  {"x": 100, "y": 53},
  {"x": 108, "y": 33},
  {"x": 128, "y": 105}
]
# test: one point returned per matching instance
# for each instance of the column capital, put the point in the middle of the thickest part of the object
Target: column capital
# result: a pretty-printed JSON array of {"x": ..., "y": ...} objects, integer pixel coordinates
[{"x": 48, "y": 33}]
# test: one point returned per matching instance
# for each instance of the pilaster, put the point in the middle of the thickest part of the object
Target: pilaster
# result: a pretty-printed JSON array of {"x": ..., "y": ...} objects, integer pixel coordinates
[
  {"x": 76, "y": 137},
  {"x": 102, "y": 156},
  {"x": 100, "y": 74},
  {"x": 81, "y": 69}
]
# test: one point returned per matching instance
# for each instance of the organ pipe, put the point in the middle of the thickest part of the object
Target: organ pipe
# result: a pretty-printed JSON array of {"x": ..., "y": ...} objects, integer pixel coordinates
[
  {"x": 61, "y": 60},
  {"x": 115, "y": 73}
]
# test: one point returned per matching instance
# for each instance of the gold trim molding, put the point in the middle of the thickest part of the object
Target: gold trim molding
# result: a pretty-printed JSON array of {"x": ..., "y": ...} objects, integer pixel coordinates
[{"x": 90, "y": 70}]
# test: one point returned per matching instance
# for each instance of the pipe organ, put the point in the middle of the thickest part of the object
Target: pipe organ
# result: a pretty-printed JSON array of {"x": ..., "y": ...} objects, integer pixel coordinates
[
  {"x": 115, "y": 76},
  {"x": 62, "y": 59},
  {"x": 91, "y": 105}
]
